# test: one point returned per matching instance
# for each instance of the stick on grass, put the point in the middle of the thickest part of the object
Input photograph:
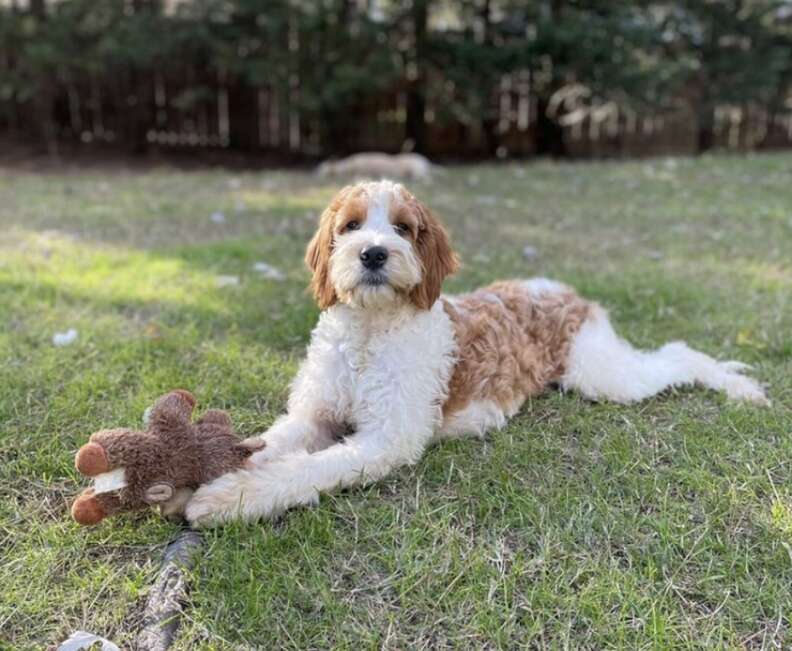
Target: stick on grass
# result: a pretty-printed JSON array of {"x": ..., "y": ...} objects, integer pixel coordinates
[{"x": 163, "y": 609}]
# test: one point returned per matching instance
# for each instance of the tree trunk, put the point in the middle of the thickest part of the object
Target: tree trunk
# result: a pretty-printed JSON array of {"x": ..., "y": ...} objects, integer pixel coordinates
[
  {"x": 549, "y": 139},
  {"x": 336, "y": 134},
  {"x": 415, "y": 123},
  {"x": 38, "y": 8},
  {"x": 706, "y": 131},
  {"x": 549, "y": 134},
  {"x": 489, "y": 123},
  {"x": 44, "y": 100}
]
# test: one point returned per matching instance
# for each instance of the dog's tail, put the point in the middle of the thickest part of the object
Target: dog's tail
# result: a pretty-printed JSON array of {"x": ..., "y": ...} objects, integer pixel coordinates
[{"x": 601, "y": 365}]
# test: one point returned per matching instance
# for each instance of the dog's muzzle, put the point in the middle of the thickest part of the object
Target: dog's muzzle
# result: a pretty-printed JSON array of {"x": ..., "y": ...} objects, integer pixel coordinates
[{"x": 374, "y": 278}]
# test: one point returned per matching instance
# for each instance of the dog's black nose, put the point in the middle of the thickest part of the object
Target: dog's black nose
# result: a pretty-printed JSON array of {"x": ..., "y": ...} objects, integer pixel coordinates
[{"x": 374, "y": 257}]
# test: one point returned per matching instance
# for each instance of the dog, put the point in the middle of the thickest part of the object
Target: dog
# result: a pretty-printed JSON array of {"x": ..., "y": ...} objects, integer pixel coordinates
[
  {"x": 377, "y": 165},
  {"x": 401, "y": 366}
]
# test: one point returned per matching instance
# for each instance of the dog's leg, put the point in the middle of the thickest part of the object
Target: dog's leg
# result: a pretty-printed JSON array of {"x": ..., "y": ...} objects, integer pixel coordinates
[
  {"x": 319, "y": 394},
  {"x": 602, "y": 366},
  {"x": 393, "y": 428},
  {"x": 395, "y": 410},
  {"x": 290, "y": 434},
  {"x": 298, "y": 478}
]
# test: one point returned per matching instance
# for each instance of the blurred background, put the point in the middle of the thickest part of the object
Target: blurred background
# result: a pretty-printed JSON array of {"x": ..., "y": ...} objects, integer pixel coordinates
[{"x": 301, "y": 80}]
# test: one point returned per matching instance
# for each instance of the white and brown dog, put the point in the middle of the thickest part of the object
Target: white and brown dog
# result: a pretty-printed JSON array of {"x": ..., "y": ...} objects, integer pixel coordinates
[{"x": 402, "y": 366}]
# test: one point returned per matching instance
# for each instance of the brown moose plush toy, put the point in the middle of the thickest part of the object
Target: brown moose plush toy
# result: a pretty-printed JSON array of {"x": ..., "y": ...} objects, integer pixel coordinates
[{"x": 161, "y": 466}]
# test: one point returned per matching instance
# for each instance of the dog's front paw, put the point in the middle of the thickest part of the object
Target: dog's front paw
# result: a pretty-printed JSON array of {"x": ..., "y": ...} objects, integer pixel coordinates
[
  {"x": 203, "y": 513},
  {"x": 216, "y": 502},
  {"x": 173, "y": 509},
  {"x": 260, "y": 492}
]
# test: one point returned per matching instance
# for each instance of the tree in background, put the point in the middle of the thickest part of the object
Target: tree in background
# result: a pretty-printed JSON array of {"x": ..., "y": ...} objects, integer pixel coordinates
[
  {"x": 731, "y": 52},
  {"x": 313, "y": 77}
]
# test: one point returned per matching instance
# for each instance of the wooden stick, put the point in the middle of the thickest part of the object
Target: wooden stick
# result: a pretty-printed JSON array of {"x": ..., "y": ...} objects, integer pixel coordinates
[{"x": 164, "y": 605}]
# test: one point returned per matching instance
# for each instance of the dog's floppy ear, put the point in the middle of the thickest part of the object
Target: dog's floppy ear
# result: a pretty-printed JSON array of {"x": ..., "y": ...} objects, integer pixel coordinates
[
  {"x": 320, "y": 248},
  {"x": 438, "y": 259}
]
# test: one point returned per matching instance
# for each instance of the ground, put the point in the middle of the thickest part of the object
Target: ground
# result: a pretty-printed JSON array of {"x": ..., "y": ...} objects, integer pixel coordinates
[{"x": 581, "y": 525}]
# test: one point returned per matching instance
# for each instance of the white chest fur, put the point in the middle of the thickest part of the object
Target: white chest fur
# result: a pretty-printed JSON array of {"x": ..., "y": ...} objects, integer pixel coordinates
[{"x": 362, "y": 361}]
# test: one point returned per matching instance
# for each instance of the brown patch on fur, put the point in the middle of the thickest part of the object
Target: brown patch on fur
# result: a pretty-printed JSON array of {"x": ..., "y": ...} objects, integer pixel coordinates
[
  {"x": 438, "y": 259},
  {"x": 512, "y": 343},
  {"x": 320, "y": 248}
]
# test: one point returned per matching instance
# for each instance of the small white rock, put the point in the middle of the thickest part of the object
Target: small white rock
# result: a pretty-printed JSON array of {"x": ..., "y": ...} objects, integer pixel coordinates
[
  {"x": 530, "y": 252},
  {"x": 268, "y": 271},
  {"x": 85, "y": 640},
  {"x": 217, "y": 218},
  {"x": 65, "y": 338},
  {"x": 227, "y": 281}
]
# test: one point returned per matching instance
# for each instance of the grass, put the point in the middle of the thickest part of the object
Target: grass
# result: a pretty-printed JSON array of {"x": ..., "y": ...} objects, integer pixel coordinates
[{"x": 662, "y": 525}]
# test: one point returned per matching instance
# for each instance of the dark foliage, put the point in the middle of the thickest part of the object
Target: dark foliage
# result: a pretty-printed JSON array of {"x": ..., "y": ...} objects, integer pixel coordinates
[{"x": 464, "y": 77}]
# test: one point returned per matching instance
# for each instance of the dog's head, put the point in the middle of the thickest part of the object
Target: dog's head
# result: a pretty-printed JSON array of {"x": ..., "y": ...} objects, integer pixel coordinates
[{"x": 377, "y": 244}]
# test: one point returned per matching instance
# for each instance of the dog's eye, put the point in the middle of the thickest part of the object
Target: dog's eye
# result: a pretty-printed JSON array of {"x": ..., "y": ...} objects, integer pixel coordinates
[
  {"x": 352, "y": 226},
  {"x": 402, "y": 228}
]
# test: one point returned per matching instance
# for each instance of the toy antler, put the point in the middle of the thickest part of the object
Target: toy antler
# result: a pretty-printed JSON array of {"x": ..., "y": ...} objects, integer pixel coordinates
[
  {"x": 91, "y": 460},
  {"x": 173, "y": 408}
]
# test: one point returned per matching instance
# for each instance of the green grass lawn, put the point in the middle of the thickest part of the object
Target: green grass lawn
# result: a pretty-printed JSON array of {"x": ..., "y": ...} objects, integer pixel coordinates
[{"x": 662, "y": 525}]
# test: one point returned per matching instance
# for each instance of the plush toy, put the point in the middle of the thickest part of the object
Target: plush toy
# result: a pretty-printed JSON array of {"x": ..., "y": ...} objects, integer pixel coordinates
[{"x": 161, "y": 466}]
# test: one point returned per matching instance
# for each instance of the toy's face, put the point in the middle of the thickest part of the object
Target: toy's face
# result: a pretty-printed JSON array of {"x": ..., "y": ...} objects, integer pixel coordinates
[{"x": 102, "y": 460}]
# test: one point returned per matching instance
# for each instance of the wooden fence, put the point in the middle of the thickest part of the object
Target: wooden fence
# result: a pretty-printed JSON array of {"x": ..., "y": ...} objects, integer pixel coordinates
[{"x": 193, "y": 112}]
